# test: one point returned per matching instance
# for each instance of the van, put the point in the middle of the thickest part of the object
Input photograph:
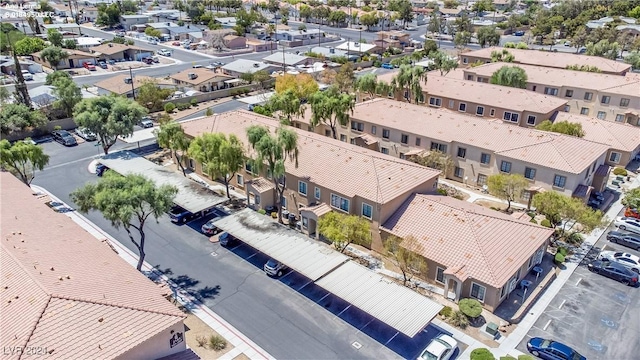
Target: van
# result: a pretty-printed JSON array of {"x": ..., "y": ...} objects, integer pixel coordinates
[{"x": 27, "y": 75}]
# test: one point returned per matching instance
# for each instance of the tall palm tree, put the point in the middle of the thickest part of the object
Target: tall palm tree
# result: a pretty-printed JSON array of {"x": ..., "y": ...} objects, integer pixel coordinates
[
  {"x": 54, "y": 55},
  {"x": 410, "y": 79}
]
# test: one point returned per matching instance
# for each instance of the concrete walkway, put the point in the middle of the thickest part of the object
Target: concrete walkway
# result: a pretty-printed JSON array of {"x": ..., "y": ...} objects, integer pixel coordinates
[{"x": 473, "y": 196}]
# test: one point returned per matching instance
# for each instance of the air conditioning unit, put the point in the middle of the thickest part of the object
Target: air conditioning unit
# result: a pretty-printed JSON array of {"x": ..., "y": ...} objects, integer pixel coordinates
[
  {"x": 128, "y": 80},
  {"x": 256, "y": 65},
  {"x": 192, "y": 76}
]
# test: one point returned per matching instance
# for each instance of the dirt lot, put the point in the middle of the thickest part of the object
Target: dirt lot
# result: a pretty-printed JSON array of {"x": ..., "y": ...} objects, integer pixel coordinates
[{"x": 196, "y": 328}]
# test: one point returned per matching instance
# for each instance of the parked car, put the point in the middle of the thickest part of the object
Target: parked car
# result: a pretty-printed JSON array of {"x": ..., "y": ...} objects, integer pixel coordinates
[
  {"x": 102, "y": 64},
  {"x": 197, "y": 66},
  {"x": 147, "y": 60},
  {"x": 145, "y": 122},
  {"x": 441, "y": 347},
  {"x": 519, "y": 33},
  {"x": 89, "y": 66},
  {"x": 625, "y": 223},
  {"x": 552, "y": 350},
  {"x": 111, "y": 62},
  {"x": 614, "y": 271},
  {"x": 100, "y": 169},
  {"x": 226, "y": 239},
  {"x": 153, "y": 42},
  {"x": 411, "y": 28},
  {"x": 386, "y": 66},
  {"x": 209, "y": 228},
  {"x": 164, "y": 52},
  {"x": 27, "y": 75},
  {"x": 626, "y": 239},
  {"x": 176, "y": 43},
  {"x": 180, "y": 215},
  {"x": 274, "y": 268},
  {"x": 627, "y": 260},
  {"x": 85, "y": 134},
  {"x": 64, "y": 137}
]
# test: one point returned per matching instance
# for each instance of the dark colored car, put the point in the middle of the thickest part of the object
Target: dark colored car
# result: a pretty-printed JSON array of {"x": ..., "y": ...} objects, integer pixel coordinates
[
  {"x": 147, "y": 60},
  {"x": 179, "y": 215},
  {"x": 519, "y": 33},
  {"x": 552, "y": 350},
  {"x": 614, "y": 271},
  {"x": 626, "y": 239},
  {"x": 64, "y": 137},
  {"x": 102, "y": 64},
  {"x": 226, "y": 239},
  {"x": 100, "y": 169},
  {"x": 209, "y": 228}
]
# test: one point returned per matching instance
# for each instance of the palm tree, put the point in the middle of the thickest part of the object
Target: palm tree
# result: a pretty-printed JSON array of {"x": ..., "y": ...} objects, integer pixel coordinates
[
  {"x": 54, "y": 55},
  {"x": 410, "y": 79}
]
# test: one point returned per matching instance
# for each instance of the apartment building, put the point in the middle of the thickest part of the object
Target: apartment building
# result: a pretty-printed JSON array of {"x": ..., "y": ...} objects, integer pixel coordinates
[
  {"x": 605, "y": 96},
  {"x": 331, "y": 175},
  {"x": 512, "y": 105},
  {"x": 478, "y": 147}
]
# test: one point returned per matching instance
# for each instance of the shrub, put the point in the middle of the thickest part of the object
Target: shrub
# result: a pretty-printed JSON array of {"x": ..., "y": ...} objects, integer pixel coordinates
[
  {"x": 458, "y": 196},
  {"x": 446, "y": 311},
  {"x": 508, "y": 357},
  {"x": 459, "y": 319},
  {"x": 563, "y": 251},
  {"x": 545, "y": 223},
  {"x": 470, "y": 307},
  {"x": 559, "y": 259},
  {"x": 202, "y": 341},
  {"x": 482, "y": 354},
  {"x": 262, "y": 211},
  {"x": 169, "y": 107},
  {"x": 194, "y": 102},
  {"x": 217, "y": 343},
  {"x": 531, "y": 214},
  {"x": 441, "y": 191},
  {"x": 620, "y": 171},
  {"x": 183, "y": 106},
  {"x": 57, "y": 127},
  {"x": 575, "y": 238},
  {"x": 377, "y": 63},
  {"x": 525, "y": 357},
  {"x": 533, "y": 220}
]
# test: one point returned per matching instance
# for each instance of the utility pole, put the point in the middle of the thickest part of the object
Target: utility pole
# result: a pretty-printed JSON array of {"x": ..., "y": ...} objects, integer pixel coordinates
[
  {"x": 133, "y": 87},
  {"x": 284, "y": 64},
  {"x": 22, "y": 93},
  {"x": 319, "y": 33}
]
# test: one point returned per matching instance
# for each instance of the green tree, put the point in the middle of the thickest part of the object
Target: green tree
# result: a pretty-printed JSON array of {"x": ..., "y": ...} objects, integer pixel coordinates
[
  {"x": 22, "y": 159},
  {"x": 502, "y": 56},
  {"x": 288, "y": 104},
  {"x": 488, "y": 36},
  {"x": 603, "y": 48},
  {"x": 151, "y": 96},
  {"x": 442, "y": 62},
  {"x": 369, "y": 19},
  {"x": 68, "y": 94},
  {"x": 331, "y": 107},
  {"x": 9, "y": 35},
  {"x": 303, "y": 85},
  {"x": 633, "y": 59},
  {"x": 367, "y": 83},
  {"x": 344, "y": 229},
  {"x": 69, "y": 44},
  {"x": 151, "y": 32},
  {"x": 470, "y": 307},
  {"x": 54, "y": 37},
  {"x": 245, "y": 20},
  {"x": 409, "y": 80},
  {"x": 507, "y": 186},
  {"x": 635, "y": 12},
  {"x": 44, "y": 6},
  {"x": 28, "y": 46},
  {"x": 429, "y": 47},
  {"x": 436, "y": 24},
  {"x": 405, "y": 255},
  {"x": 272, "y": 151},
  {"x": 54, "y": 55},
  {"x": 4, "y": 95},
  {"x": 562, "y": 127},
  {"x": 512, "y": 76},
  {"x": 20, "y": 116},
  {"x": 481, "y": 6},
  {"x": 127, "y": 202},
  {"x": 108, "y": 14},
  {"x": 108, "y": 117},
  {"x": 171, "y": 136},
  {"x": 462, "y": 39},
  {"x": 631, "y": 198},
  {"x": 221, "y": 157},
  {"x": 579, "y": 38},
  {"x": 482, "y": 354},
  {"x": 305, "y": 12},
  {"x": 345, "y": 77}
]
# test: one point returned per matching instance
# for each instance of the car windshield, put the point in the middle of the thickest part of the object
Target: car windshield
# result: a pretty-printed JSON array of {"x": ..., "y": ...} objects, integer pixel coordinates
[
  {"x": 272, "y": 263},
  {"x": 618, "y": 254},
  {"x": 545, "y": 344},
  {"x": 426, "y": 355}
]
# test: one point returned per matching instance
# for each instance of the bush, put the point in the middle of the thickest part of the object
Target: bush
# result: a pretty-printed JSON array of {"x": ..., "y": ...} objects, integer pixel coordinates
[
  {"x": 559, "y": 259},
  {"x": 620, "y": 171},
  {"x": 525, "y": 357},
  {"x": 563, "y": 251},
  {"x": 262, "y": 211},
  {"x": 533, "y": 221},
  {"x": 508, "y": 357},
  {"x": 57, "y": 127},
  {"x": 441, "y": 191},
  {"x": 169, "y": 107},
  {"x": 575, "y": 238},
  {"x": 531, "y": 214},
  {"x": 545, "y": 223},
  {"x": 183, "y": 106},
  {"x": 446, "y": 311},
  {"x": 459, "y": 319},
  {"x": 202, "y": 341},
  {"x": 482, "y": 354},
  {"x": 377, "y": 63},
  {"x": 217, "y": 343},
  {"x": 194, "y": 102},
  {"x": 470, "y": 307}
]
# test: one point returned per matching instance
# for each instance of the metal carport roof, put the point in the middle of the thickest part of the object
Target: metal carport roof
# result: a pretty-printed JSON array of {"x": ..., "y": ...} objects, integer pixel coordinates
[
  {"x": 191, "y": 195},
  {"x": 397, "y": 306},
  {"x": 286, "y": 245}
]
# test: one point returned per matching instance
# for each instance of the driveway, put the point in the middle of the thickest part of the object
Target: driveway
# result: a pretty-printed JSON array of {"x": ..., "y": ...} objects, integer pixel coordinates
[{"x": 595, "y": 315}]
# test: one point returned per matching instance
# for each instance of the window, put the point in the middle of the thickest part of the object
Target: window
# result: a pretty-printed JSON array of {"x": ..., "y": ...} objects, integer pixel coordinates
[
  {"x": 588, "y": 96},
  {"x": 247, "y": 167},
  {"x": 465, "y": 60},
  {"x": 357, "y": 126},
  {"x": 421, "y": 98},
  {"x": 367, "y": 211},
  {"x": 435, "y": 101},
  {"x": 482, "y": 179},
  {"x": 530, "y": 173},
  {"x": 240, "y": 180},
  {"x": 327, "y": 133},
  {"x": 567, "y": 108},
  {"x": 503, "y": 290},
  {"x": 283, "y": 202},
  {"x": 614, "y": 157},
  {"x": 462, "y": 152},
  {"x": 480, "y": 110},
  {"x": 373, "y": 129},
  {"x": 620, "y": 118},
  {"x": 256, "y": 199},
  {"x": 584, "y": 111},
  {"x": 385, "y": 133},
  {"x": 602, "y": 115},
  {"x": 492, "y": 112},
  {"x": 352, "y": 141},
  {"x": 568, "y": 93},
  {"x": 505, "y": 166},
  {"x": 343, "y": 137},
  {"x": 462, "y": 107},
  {"x": 478, "y": 291},
  {"x": 339, "y": 202},
  {"x": 402, "y": 156},
  {"x": 559, "y": 181},
  {"x": 531, "y": 120},
  {"x": 526, "y": 194},
  {"x": 551, "y": 91},
  {"x": 269, "y": 175},
  {"x": 534, "y": 88},
  {"x": 316, "y": 193},
  {"x": 451, "y": 104},
  {"x": 485, "y": 158},
  {"x": 440, "y": 147},
  {"x": 404, "y": 138},
  {"x": 384, "y": 150},
  {"x": 192, "y": 164},
  {"x": 417, "y": 141},
  {"x": 458, "y": 172},
  {"x": 440, "y": 275},
  {"x": 509, "y": 116},
  {"x": 624, "y": 102},
  {"x": 302, "y": 188},
  {"x": 605, "y": 99},
  {"x": 469, "y": 77}
]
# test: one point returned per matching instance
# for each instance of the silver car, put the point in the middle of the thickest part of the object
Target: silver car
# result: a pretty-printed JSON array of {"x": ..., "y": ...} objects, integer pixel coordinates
[{"x": 86, "y": 134}]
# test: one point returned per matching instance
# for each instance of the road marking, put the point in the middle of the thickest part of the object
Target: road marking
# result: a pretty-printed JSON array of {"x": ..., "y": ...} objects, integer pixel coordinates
[
  {"x": 546, "y": 325},
  {"x": 214, "y": 254},
  {"x": 250, "y": 257},
  {"x": 303, "y": 286},
  {"x": 70, "y": 162},
  {"x": 561, "y": 304},
  {"x": 578, "y": 282},
  {"x": 393, "y": 337},
  {"x": 322, "y": 298},
  {"x": 356, "y": 345},
  {"x": 345, "y": 309}
]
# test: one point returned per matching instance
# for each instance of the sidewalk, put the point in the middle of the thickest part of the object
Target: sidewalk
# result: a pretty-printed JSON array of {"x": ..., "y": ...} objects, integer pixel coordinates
[{"x": 242, "y": 344}]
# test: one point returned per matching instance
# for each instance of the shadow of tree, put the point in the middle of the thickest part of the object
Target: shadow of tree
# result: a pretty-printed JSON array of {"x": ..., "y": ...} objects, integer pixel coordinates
[{"x": 185, "y": 282}]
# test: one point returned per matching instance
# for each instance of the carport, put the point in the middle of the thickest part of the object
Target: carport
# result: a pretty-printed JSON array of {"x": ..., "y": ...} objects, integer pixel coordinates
[
  {"x": 397, "y": 306},
  {"x": 191, "y": 196}
]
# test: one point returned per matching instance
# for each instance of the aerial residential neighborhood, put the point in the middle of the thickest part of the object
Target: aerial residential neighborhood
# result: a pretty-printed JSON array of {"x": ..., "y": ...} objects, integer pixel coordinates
[{"x": 399, "y": 179}]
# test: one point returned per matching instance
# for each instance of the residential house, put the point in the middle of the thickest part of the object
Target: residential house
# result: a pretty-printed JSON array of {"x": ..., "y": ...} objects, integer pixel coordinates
[
  {"x": 328, "y": 52},
  {"x": 8, "y": 65},
  {"x": 602, "y": 22},
  {"x": 478, "y": 147},
  {"x": 62, "y": 10},
  {"x": 120, "y": 52},
  {"x": 44, "y": 95},
  {"x": 123, "y": 84},
  {"x": 201, "y": 79},
  {"x": 245, "y": 66},
  {"x": 605, "y": 96},
  {"x": 557, "y": 60},
  {"x": 282, "y": 59},
  {"x": 235, "y": 42},
  {"x": 63, "y": 289},
  {"x": 85, "y": 43},
  {"x": 395, "y": 39},
  {"x": 128, "y": 21},
  {"x": 75, "y": 59},
  {"x": 88, "y": 14},
  {"x": 63, "y": 28},
  {"x": 226, "y": 22},
  {"x": 176, "y": 32},
  {"x": 383, "y": 182},
  {"x": 257, "y": 45},
  {"x": 298, "y": 35},
  {"x": 513, "y": 105},
  {"x": 358, "y": 48},
  {"x": 457, "y": 12},
  {"x": 502, "y": 5},
  {"x": 470, "y": 250}
]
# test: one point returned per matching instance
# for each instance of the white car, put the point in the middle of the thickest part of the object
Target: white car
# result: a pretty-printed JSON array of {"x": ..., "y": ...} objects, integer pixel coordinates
[
  {"x": 85, "y": 134},
  {"x": 441, "y": 347},
  {"x": 27, "y": 75},
  {"x": 630, "y": 224},
  {"x": 164, "y": 52},
  {"x": 625, "y": 259}
]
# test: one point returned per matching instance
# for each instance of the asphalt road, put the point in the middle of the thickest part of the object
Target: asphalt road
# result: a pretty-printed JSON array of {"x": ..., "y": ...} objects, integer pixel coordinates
[{"x": 595, "y": 315}]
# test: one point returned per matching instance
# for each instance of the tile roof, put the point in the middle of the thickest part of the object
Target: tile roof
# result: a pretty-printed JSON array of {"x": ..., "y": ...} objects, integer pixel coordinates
[
  {"x": 113, "y": 48},
  {"x": 484, "y": 244},
  {"x": 317, "y": 210},
  {"x": 203, "y": 75},
  {"x": 625, "y": 85},
  {"x": 116, "y": 83},
  {"x": 261, "y": 184},
  {"x": 65, "y": 290},
  {"x": 617, "y": 135},
  {"x": 554, "y": 59},
  {"x": 357, "y": 171},
  {"x": 556, "y": 151},
  {"x": 453, "y": 86}
]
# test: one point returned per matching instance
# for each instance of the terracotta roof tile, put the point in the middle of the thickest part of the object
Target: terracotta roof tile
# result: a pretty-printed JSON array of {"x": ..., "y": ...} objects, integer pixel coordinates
[
  {"x": 482, "y": 243},
  {"x": 203, "y": 75},
  {"x": 617, "y": 135},
  {"x": 116, "y": 84},
  {"x": 113, "y": 48},
  {"x": 318, "y": 210},
  {"x": 261, "y": 184}
]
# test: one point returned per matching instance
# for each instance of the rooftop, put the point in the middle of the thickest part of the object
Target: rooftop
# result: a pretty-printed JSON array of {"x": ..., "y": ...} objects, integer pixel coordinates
[
  {"x": 117, "y": 85},
  {"x": 356, "y": 46},
  {"x": 380, "y": 178},
  {"x": 66, "y": 291},
  {"x": 202, "y": 75},
  {"x": 484, "y": 244},
  {"x": 554, "y": 59},
  {"x": 244, "y": 66},
  {"x": 617, "y": 135},
  {"x": 289, "y": 59},
  {"x": 113, "y": 48}
]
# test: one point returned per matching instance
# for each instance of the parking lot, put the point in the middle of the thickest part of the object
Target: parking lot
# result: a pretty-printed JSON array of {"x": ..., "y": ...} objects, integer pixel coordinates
[{"x": 593, "y": 314}]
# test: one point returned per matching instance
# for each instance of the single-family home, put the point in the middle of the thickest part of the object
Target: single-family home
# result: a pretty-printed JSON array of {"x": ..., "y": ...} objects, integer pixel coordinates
[
  {"x": 234, "y": 42},
  {"x": 127, "y": 21},
  {"x": 88, "y": 14},
  {"x": 395, "y": 39},
  {"x": 201, "y": 79},
  {"x": 282, "y": 58},
  {"x": 124, "y": 85},
  {"x": 63, "y": 28},
  {"x": 502, "y": 5},
  {"x": 258, "y": 45},
  {"x": 298, "y": 35},
  {"x": 358, "y": 48},
  {"x": 75, "y": 59},
  {"x": 120, "y": 52},
  {"x": 245, "y": 66}
]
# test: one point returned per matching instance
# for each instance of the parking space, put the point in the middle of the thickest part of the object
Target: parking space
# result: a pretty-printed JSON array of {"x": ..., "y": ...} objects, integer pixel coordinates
[{"x": 595, "y": 315}]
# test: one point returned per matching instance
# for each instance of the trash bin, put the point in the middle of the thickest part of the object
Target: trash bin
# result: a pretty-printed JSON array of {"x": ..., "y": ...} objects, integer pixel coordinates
[
  {"x": 492, "y": 328},
  {"x": 292, "y": 218}
]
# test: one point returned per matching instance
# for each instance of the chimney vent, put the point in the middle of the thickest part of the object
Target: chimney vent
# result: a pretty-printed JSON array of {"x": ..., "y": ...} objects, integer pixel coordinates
[{"x": 128, "y": 80}]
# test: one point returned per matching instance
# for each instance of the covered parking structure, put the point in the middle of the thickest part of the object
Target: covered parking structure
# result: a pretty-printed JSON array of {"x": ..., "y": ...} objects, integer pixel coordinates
[
  {"x": 191, "y": 196},
  {"x": 393, "y": 304}
]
